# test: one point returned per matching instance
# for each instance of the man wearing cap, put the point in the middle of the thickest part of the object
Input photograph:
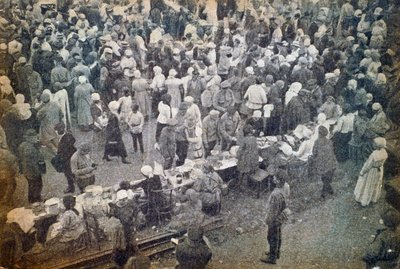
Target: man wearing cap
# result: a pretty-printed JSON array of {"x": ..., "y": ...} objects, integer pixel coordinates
[
  {"x": 210, "y": 131},
  {"x": 316, "y": 96},
  {"x": 49, "y": 115},
  {"x": 80, "y": 69},
  {"x": 21, "y": 77},
  {"x": 384, "y": 252},
  {"x": 196, "y": 86},
  {"x": 60, "y": 74},
  {"x": 65, "y": 151},
  {"x": 303, "y": 74},
  {"x": 329, "y": 108},
  {"x": 193, "y": 253},
  {"x": 135, "y": 122},
  {"x": 227, "y": 128},
  {"x": 328, "y": 89},
  {"x": 223, "y": 98},
  {"x": 289, "y": 30},
  {"x": 323, "y": 162},
  {"x": 256, "y": 96},
  {"x": 32, "y": 164},
  {"x": 167, "y": 143},
  {"x": 276, "y": 215},
  {"x": 83, "y": 167}
]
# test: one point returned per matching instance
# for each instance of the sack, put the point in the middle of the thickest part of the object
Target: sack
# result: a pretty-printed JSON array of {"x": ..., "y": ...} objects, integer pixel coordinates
[{"x": 58, "y": 163}]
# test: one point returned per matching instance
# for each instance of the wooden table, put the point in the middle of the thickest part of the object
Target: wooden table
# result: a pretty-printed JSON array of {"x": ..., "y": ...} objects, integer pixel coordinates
[{"x": 172, "y": 179}]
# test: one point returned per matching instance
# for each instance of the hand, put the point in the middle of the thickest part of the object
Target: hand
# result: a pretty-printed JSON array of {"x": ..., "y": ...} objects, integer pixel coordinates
[
  {"x": 156, "y": 146},
  {"x": 261, "y": 133}
]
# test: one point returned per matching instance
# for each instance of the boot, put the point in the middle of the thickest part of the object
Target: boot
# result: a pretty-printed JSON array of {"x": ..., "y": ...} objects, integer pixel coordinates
[
  {"x": 105, "y": 157},
  {"x": 125, "y": 161}
]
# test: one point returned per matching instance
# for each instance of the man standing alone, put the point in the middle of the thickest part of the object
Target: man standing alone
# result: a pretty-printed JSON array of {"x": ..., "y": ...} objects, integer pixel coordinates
[
  {"x": 32, "y": 164},
  {"x": 65, "y": 151},
  {"x": 276, "y": 216}
]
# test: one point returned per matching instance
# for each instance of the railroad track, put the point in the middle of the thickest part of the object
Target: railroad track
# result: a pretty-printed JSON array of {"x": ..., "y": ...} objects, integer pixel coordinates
[{"x": 150, "y": 246}]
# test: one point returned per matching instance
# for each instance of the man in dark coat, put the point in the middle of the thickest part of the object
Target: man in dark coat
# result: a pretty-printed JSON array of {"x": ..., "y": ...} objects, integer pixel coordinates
[
  {"x": 384, "y": 251},
  {"x": 302, "y": 75},
  {"x": 167, "y": 143},
  {"x": 65, "y": 151},
  {"x": 196, "y": 86},
  {"x": 12, "y": 125},
  {"x": 275, "y": 217},
  {"x": 289, "y": 30},
  {"x": 297, "y": 111},
  {"x": 193, "y": 253},
  {"x": 32, "y": 164},
  {"x": 324, "y": 161}
]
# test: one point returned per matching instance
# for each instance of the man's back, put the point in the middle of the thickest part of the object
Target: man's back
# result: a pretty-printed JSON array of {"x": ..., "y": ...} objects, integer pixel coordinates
[{"x": 192, "y": 256}]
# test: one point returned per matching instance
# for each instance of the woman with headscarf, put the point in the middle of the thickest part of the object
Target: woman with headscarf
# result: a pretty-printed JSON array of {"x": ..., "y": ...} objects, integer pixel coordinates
[
  {"x": 182, "y": 143},
  {"x": 114, "y": 144},
  {"x": 158, "y": 88},
  {"x": 194, "y": 137},
  {"x": 247, "y": 155},
  {"x": 140, "y": 87},
  {"x": 151, "y": 185},
  {"x": 83, "y": 102},
  {"x": 49, "y": 115},
  {"x": 164, "y": 114},
  {"x": 341, "y": 134},
  {"x": 359, "y": 140},
  {"x": 370, "y": 180},
  {"x": 60, "y": 97},
  {"x": 292, "y": 92},
  {"x": 174, "y": 88},
  {"x": 379, "y": 123}
]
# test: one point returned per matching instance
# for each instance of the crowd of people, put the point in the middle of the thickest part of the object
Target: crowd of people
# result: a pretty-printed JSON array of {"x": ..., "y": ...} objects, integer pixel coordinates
[{"x": 205, "y": 78}]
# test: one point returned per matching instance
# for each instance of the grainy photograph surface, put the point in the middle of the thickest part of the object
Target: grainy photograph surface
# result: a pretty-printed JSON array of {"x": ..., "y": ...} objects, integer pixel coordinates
[{"x": 199, "y": 134}]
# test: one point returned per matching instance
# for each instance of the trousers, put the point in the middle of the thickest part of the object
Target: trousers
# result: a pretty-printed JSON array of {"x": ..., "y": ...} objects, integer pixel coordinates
[
  {"x": 274, "y": 238},
  {"x": 181, "y": 151},
  {"x": 35, "y": 185},
  {"x": 137, "y": 139}
]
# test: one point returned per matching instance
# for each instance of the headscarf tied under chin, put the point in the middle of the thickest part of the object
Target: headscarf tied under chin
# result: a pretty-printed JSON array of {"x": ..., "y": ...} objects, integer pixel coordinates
[{"x": 147, "y": 171}]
